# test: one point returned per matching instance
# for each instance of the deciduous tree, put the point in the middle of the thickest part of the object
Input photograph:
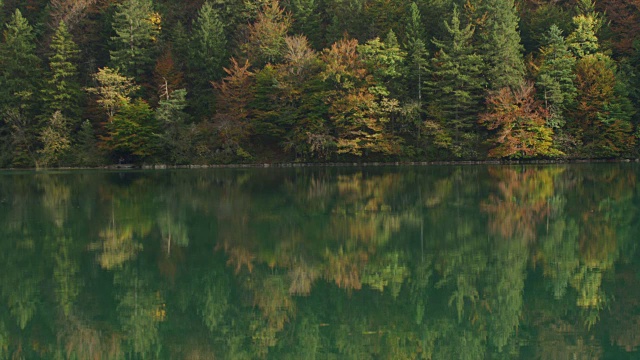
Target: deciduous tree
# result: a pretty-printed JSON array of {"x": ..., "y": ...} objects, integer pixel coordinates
[{"x": 520, "y": 123}]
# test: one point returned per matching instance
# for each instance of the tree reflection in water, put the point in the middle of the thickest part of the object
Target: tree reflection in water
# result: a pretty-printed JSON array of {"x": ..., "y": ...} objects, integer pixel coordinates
[{"x": 475, "y": 262}]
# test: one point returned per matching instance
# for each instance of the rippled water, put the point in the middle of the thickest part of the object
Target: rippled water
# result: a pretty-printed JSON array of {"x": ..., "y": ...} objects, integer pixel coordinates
[{"x": 440, "y": 262}]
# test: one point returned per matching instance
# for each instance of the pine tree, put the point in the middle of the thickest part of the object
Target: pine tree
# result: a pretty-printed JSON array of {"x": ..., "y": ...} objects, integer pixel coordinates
[
  {"x": 456, "y": 88},
  {"x": 62, "y": 90},
  {"x": 555, "y": 77},
  {"x": 137, "y": 27},
  {"x": 207, "y": 57},
  {"x": 499, "y": 40}
]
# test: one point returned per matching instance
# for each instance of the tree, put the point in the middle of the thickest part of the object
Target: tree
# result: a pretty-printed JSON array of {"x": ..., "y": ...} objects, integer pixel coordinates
[
  {"x": 232, "y": 119},
  {"x": 55, "y": 140},
  {"x": 133, "y": 132},
  {"x": 417, "y": 54},
  {"x": 167, "y": 75},
  {"x": 307, "y": 16},
  {"x": 86, "y": 151},
  {"x": 136, "y": 28},
  {"x": 456, "y": 88},
  {"x": 71, "y": 12},
  {"x": 62, "y": 90},
  {"x": 172, "y": 118},
  {"x": 520, "y": 121},
  {"x": 19, "y": 84},
  {"x": 555, "y": 77},
  {"x": 357, "y": 109},
  {"x": 602, "y": 122},
  {"x": 19, "y": 66},
  {"x": 113, "y": 90},
  {"x": 583, "y": 39},
  {"x": 208, "y": 53},
  {"x": 499, "y": 41},
  {"x": 266, "y": 38}
]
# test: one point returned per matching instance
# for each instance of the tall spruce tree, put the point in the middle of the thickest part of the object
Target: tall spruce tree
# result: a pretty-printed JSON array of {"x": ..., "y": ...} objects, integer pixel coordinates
[
  {"x": 136, "y": 28},
  {"x": 19, "y": 66},
  {"x": 555, "y": 77},
  {"x": 20, "y": 75},
  {"x": 207, "y": 57},
  {"x": 456, "y": 88},
  {"x": 499, "y": 40},
  {"x": 417, "y": 54},
  {"x": 62, "y": 90}
]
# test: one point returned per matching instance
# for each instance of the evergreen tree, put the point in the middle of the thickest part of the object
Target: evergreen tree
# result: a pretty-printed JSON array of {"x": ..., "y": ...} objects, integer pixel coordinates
[
  {"x": 62, "y": 90},
  {"x": 19, "y": 85},
  {"x": 555, "y": 77},
  {"x": 87, "y": 152},
  {"x": 583, "y": 40},
  {"x": 172, "y": 119},
  {"x": 266, "y": 37},
  {"x": 456, "y": 89},
  {"x": 307, "y": 20},
  {"x": 417, "y": 54},
  {"x": 19, "y": 66},
  {"x": 137, "y": 27},
  {"x": 208, "y": 54},
  {"x": 499, "y": 40}
]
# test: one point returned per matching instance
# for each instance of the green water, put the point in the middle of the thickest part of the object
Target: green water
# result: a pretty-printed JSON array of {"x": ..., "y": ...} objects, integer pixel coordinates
[{"x": 442, "y": 262}]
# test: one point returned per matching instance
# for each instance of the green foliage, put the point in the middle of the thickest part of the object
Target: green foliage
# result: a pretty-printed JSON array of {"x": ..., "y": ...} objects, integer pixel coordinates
[
  {"x": 62, "y": 92},
  {"x": 498, "y": 39},
  {"x": 266, "y": 36},
  {"x": 19, "y": 67},
  {"x": 603, "y": 121},
  {"x": 133, "y": 133},
  {"x": 86, "y": 151},
  {"x": 113, "y": 90},
  {"x": 136, "y": 28},
  {"x": 172, "y": 118},
  {"x": 456, "y": 89},
  {"x": 555, "y": 78},
  {"x": 55, "y": 140},
  {"x": 417, "y": 55},
  {"x": 207, "y": 55}
]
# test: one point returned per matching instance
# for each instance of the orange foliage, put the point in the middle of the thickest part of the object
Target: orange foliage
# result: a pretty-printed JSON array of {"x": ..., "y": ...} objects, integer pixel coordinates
[
  {"x": 520, "y": 121},
  {"x": 521, "y": 204},
  {"x": 235, "y": 91},
  {"x": 167, "y": 77}
]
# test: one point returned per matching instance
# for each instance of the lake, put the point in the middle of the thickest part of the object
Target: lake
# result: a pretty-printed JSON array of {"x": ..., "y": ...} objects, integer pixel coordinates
[{"x": 435, "y": 262}]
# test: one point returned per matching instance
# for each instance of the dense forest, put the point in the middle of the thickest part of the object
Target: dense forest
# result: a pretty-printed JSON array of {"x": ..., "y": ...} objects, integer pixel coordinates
[{"x": 95, "y": 82}]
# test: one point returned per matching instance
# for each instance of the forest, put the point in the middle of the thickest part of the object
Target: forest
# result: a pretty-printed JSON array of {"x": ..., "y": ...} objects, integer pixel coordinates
[{"x": 87, "y": 83}]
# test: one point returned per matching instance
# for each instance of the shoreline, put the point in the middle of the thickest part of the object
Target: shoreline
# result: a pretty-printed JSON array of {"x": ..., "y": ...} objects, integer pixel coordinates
[{"x": 331, "y": 164}]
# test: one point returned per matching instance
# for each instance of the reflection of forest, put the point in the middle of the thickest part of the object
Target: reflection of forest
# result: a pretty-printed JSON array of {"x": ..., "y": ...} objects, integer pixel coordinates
[{"x": 349, "y": 263}]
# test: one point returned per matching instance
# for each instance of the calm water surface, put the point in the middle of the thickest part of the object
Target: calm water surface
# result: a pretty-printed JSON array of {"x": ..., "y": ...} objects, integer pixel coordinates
[{"x": 473, "y": 262}]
